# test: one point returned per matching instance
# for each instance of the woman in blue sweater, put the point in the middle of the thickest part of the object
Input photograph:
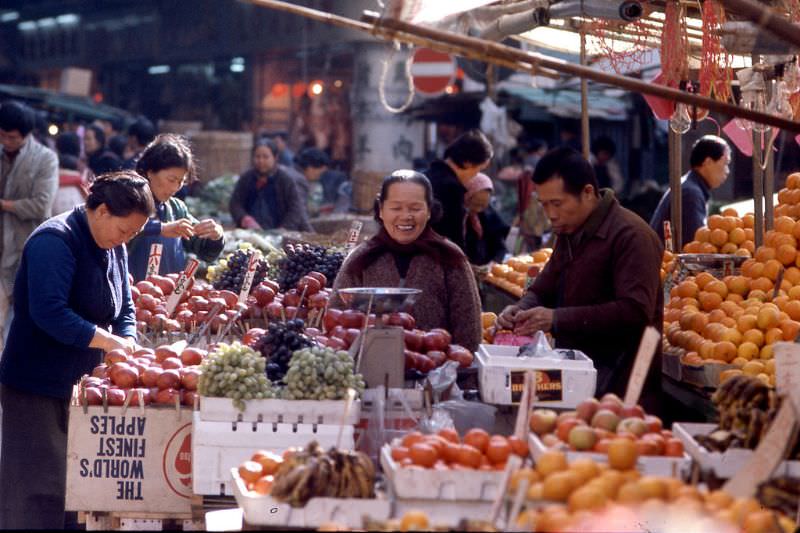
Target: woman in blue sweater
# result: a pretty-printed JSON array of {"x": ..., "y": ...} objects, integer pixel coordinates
[
  {"x": 72, "y": 302},
  {"x": 167, "y": 163}
]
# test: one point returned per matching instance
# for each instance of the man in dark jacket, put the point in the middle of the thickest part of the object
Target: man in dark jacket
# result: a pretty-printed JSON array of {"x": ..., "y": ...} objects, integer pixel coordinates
[
  {"x": 601, "y": 287},
  {"x": 463, "y": 159},
  {"x": 709, "y": 160}
]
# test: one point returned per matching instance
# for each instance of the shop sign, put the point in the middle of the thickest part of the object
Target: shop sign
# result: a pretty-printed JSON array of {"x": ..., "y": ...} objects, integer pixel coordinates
[{"x": 432, "y": 71}]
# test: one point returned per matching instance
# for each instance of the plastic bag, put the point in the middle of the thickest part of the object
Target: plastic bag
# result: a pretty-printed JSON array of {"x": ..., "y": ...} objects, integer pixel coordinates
[
  {"x": 540, "y": 348},
  {"x": 442, "y": 379},
  {"x": 467, "y": 415}
]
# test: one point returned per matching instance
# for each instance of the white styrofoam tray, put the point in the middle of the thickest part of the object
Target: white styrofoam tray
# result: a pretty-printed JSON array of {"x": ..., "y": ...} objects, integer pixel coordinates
[
  {"x": 497, "y": 363},
  {"x": 429, "y": 484},
  {"x": 724, "y": 464},
  {"x": 263, "y": 510},
  {"x": 279, "y": 411},
  {"x": 447, "y": 513},
  {"x": 648, "y": 465},
  {"x": 219, "y": 446}
]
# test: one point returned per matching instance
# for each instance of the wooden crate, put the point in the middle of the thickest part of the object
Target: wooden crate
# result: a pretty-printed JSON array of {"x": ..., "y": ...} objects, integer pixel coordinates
[{"x": 221, "y": 152}]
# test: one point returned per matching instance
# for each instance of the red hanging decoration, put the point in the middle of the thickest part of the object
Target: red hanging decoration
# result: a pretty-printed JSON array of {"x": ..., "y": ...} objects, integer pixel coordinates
[
  {"x": 716, "y": 73},
  {"x": 674, "y": 45},
  {"x": 639, "y": 34}
]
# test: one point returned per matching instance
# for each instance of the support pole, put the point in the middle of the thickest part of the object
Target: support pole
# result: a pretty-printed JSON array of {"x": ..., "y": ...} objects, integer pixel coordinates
[
  {"x": 769, "y": 189},
  {"x": 584, "y": 102},
  {"x": 758, "y": 190},
  {"x": 676, "y": 218}
]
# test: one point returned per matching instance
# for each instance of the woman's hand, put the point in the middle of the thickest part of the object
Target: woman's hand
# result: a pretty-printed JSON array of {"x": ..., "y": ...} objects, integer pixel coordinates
[
  {"x": 107, "y": 341},
  {"x": 208, "y": 229},
  {"x": 180, "y": 228},
  {"x": 249, "y": 222}
]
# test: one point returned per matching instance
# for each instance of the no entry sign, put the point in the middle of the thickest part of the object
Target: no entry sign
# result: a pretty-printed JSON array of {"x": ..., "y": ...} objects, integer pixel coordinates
[{"x": 432, "y": 71}]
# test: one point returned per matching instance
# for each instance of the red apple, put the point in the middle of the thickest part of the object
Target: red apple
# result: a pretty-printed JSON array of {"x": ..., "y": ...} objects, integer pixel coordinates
[
  {"x": 309, "y": 284},
  {"x": 434, "y": 340},
  {"x": 135, "y": 394},
  {"x": 165, "y": 351},
  {"x": 168, "y": 396},
  {"x": 115, "y": 397},
  {"x": 331, "y": 319},
  {"x": 460, "y": 354},
  {"x": 275, "y": 311},
  {"x": 413, "y": 339},
  {"x": 445, "y": 333},
  {"x": 230, "y": 297},
  {"x": 115, "y": 356},
  {"x": 189, "y": 378},
  {"x": 169, "y": 379},
  {"x": 150, "y": 376},
  {"x": 291, "y": 298},
  {"x": 171, "y": 362},
  {"x": 352, "y": 319},
  {"x": 263, "y": 294},
  {"x": 188, "y": 398},
  {"x": 93, "y": 396},
  {"x": 319, "y": 276},
  {"x": 100, "y": 371},
  {"x": 250, "y": 337},
  {"x": 318, "y": 300},
  {"x": 437, "y": 357}
]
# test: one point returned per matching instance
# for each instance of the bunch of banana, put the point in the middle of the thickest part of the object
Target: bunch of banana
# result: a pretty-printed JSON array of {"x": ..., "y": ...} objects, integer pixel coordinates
[
  {"x": 781, "y": 493},
  {"x": 312, "y": 472}
]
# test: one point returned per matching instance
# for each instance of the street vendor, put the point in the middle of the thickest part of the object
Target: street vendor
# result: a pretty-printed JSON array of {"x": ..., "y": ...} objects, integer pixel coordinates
[
  {"x": 710, "y": 159},
  {"x": 72, "y": 302},
  {"x": 406, "y": 252},
  {"x": 601, "y": 287},
  {"x": 167, "y": 163},
  {"x": 266, "y": 196}
]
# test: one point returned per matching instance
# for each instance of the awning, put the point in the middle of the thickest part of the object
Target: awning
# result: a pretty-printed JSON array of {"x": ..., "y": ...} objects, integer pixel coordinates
[
  {"x": 70, "y": 105},
  {"x": 566, "y": 103}
]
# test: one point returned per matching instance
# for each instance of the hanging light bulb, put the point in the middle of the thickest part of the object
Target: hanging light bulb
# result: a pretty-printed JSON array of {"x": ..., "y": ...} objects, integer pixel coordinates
[
  {"x": 680, "y": 122},
  {"x": 779, "y": 105}
]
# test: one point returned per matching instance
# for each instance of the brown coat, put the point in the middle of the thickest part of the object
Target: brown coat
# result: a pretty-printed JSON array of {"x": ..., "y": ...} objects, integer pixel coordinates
[
  {"x": 449, "y": 297},
  {"x": 604, "y": 290}
]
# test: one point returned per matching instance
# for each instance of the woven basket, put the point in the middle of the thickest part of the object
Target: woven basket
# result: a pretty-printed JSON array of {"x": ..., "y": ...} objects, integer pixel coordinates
[
  {"x": 366, "y": 186},
  {"x": 221, "y": 152}
]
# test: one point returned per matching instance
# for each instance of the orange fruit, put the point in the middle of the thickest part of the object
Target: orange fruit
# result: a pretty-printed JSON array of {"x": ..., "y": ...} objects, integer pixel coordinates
[
  {"x": 750, "y": 246},
  {"x": 718, "y": 287},
  {"x": 718, "y": 237},
  {"x": 724, "y": 351},
  {"x": 269, "y": 461},
  {"x": 449, "y": 434},
  {"x": 688, "y": 289},
  {"x": 761, "y": 284},
  {"x": 716, "y": 222},
  {"x": 792, "y": 307},
  {"x": 715, "y": 316},
  {"x": 793, "y": 181},
  {"x": 757, "y": 295},
  {"x": 728, "y": 248},
  {"x": 739, "y": 284},
  {"x": 710, "y": 300},
  {"x": 735, "y": 298},
  {"x": 767, "y": 317},
  {"x": 702, "y": 279},
  {"x": 263, "y": 485},
  {"x": 783, "y": 196},
  {"x": 786, "y": 254},
  {"x": 772, "y": 269},
  {"x": 756, "y": 336},
  {"x": 469, "y": 456},
  {"x": 692, "y": 247},
  {"x": 765, "y": 253},
  {"x": 784, "y": 225},
  {"x": 702, "y": 234},
  {"x": 749, "y": 220},
  {"x": 773, "y": 335},
  {"x": 423, "y": 455},
  {"x": 414, "y": 521},
  {"x": 551, "y": 461},
  {"x": 250, "y": 471},
  {"x": 729, "y": 212},
  {"x": 747, "y": 350},
  {"x": 737, "y": 236},
  {"x": 586, "y": 498},
  {"x": 622, "y": 454},
  {"x": 730, "y": 309},
  {"x": 409, "y": 439},
  {"x": 790, "y": 329},
  {"x": 708, "y": 248}
]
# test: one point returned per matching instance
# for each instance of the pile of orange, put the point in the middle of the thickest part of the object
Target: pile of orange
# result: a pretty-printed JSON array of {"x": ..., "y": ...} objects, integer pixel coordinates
[
  {"x": 512, "y": 274},
  {"x": 596, "y": 497},
  {"x": 789, "y": 198},
  {"x": 447, "y": 451},
  {"x": 487, "y": 327},
  {"x": 667, "y": 264},
  {"x": 258, "y": 473},
  {"x": 737, "y": 319},
  {"x": 725, "y": 234}
]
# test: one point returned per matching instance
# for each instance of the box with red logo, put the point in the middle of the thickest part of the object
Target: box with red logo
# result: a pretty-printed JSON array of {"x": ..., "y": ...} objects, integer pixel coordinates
[{"x": 130, "y": 460}]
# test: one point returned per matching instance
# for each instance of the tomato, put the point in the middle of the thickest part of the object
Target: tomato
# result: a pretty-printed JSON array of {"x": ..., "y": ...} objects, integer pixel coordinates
[
  {"x": 270, "y": 462},
  {"x": 423, "y": 454},
  {"x": 449, "y": 434},
  {"x": 469, "y": 456},
  {"x": 601, "y": 446},
  {"x": 399, "y": 453},
  {"x": 498, "y": 449},
  {"x": 250, "y": 471},
  {"x": 451, "y": 451},
  {"x": 412, "y": 438},
  {"x": 646, "y": 447},
  {"x": 263, "y": 485},
  {"x": 478, "y": 439}
]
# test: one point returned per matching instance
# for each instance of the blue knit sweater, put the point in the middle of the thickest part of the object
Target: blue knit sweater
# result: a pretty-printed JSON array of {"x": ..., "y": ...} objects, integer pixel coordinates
[{"x": 66, "y": 286}]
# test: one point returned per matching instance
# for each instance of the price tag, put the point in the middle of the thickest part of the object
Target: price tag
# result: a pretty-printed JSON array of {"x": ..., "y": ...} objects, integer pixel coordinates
[
  {"x": 182, "y": 283},
  {"x": 668, "y": 236},
  {"x": 154, "y": 261},
  {"x": 252, "y": 266},
  {"x": 727, "y": 268},
  {"x": 641, "y": 366},
  {"x": 352, "y": 238},
  {"x": 768, "y": 455}
]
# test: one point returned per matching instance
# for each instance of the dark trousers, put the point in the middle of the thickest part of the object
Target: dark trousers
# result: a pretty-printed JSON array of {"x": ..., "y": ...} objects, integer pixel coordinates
[{"x": 33, "y": 460}]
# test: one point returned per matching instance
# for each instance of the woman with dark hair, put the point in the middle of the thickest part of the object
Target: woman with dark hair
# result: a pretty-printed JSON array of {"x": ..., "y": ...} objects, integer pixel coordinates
[
  {"x": 167, "y": 163},
  {"x": 99, "y": 159},
  {"x": 266, "y": 196},
  {"x": 406, "y": 252},
  {"x": 72, "y": 302}
]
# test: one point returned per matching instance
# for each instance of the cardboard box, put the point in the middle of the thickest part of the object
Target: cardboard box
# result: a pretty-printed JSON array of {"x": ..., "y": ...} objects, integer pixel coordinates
[{"x": 129, "y": 460}]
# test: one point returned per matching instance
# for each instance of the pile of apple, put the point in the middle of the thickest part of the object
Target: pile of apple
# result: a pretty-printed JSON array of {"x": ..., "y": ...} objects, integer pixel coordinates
[
  {"x": 594, "y": 424},
  {"x": 424, "y": 350},
  {"x": 164, "y": 376},
  {"x": 309, "y": 294}
]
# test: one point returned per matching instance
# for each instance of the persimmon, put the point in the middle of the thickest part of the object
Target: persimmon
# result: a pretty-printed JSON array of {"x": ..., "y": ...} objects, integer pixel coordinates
[
  {"x": 498, "y": 449},
  {"x": 409, "y": 439},
  {"x": 449, "y": 434},
  {"x": 250, "y": 471},
  {"x": 477, "y": 438},
  {"x": 263, "y": 485},
  {"x": 423, "y": 454},
  {"x": 519, "y": 446},
  {"x": 469, "y": 456},
  {"x": 399, "y": 453}
]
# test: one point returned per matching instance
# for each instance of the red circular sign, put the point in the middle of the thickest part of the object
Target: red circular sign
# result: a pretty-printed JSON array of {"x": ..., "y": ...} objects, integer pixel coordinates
[{"x": 432, "y": 71}]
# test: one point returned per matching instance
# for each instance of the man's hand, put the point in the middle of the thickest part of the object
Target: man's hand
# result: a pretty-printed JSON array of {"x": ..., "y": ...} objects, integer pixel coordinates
[
  {"x": 249, "y": 222},
  {"x": 208, "y": 229},
  {"x": 180, "y": 228},
  {"x": 508, "y": 317},
  {"x": 532, "y": 320},
  {"x": 7, "y": 205}
]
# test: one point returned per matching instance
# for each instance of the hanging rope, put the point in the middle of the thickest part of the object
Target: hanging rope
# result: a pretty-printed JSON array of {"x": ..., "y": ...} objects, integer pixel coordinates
[
  {"x": 604, "y": 34},
  {"x": 715, "y": 64},
  {"x": 382, "y": 83},
  {"x": 674, "y": 45}
]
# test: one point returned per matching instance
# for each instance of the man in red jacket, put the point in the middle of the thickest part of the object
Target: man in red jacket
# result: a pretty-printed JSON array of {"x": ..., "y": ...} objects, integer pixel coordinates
[{"x": 601, "y": 287}]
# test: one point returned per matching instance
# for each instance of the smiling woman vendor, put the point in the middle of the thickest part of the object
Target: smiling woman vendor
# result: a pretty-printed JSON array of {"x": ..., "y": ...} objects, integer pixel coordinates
[
  {"x": 406, "y": 252},
  {"x": 167, "y": 163}
]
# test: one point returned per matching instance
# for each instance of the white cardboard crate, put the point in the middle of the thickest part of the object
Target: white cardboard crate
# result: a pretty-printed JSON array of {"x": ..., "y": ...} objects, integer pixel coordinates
[
  {"x": 219, "y": 446},
  {"x": 447, "y": 485},
  {"x": 446, "y": 512},
  {"x": 265, "y": 511},
  {"x": 723, "y": 464},
  {"x": 648, "y": 465},
  {"x": 279, "y": 411},
  {"x": 501, "y": 374}
]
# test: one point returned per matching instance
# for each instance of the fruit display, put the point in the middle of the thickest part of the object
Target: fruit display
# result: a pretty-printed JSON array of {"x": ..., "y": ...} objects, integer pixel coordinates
[
  {"x": 487, "y": 327},
  {"x": 746, "y": 408},
  {"x": 161, "y": 376},
  {"x": 235, "y": 371},
  {"x": 302, "y": 259},
  {"x": 310, "y": 472},
  {"x": 278, "y": 343},
  {"x": 781, "y": 493},
  {"x": 592, "y": 496},
  {"x": 446, "y": 450},
  {"x": 512, "y": 274},
  {"x": 595, "y": 424},
  {"x": 321, "y": 374},
  {"x": 725, "y": 233},
  {"x": 229, "y": 273}
]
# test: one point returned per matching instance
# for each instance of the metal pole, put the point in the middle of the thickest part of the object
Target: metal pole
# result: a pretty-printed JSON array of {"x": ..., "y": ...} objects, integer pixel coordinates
[
  {"x": 584, "y": 102},
  {"x": 676, "y": 218},
  {"x": 758, "y": 190},
  {"x": 769, "y": 190},
  {"x": 767, "y": 18}
]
